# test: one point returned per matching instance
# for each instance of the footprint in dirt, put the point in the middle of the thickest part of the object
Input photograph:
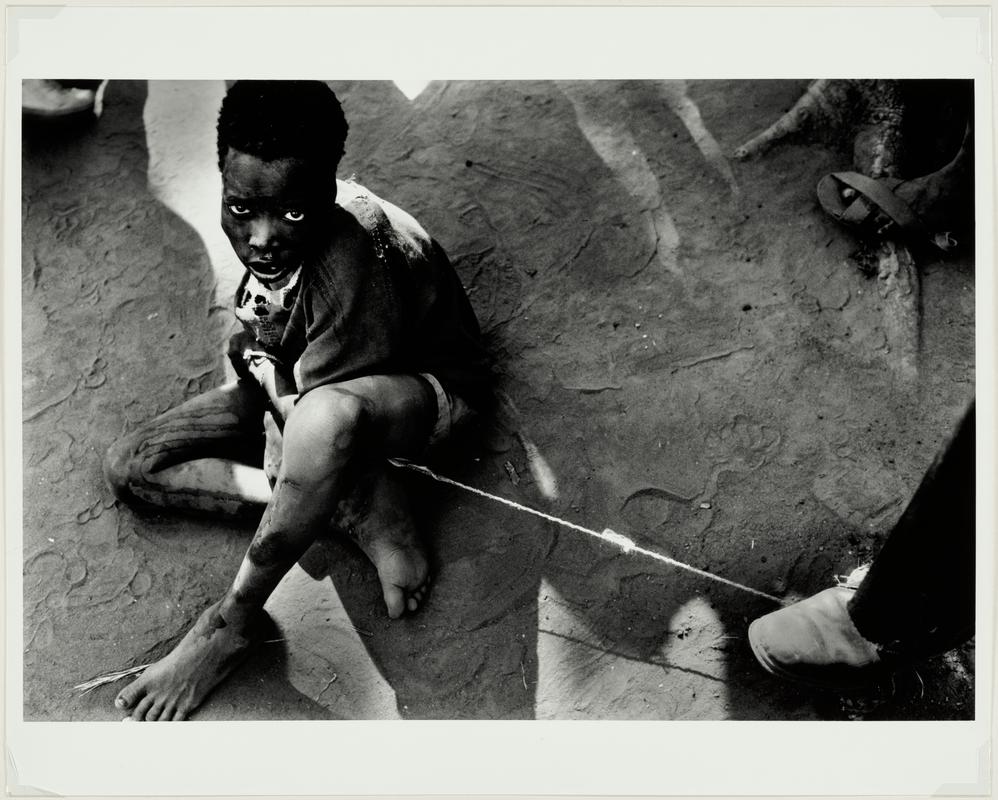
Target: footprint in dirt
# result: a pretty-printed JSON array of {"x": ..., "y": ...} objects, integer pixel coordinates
[{"x": 740, "y": 446}]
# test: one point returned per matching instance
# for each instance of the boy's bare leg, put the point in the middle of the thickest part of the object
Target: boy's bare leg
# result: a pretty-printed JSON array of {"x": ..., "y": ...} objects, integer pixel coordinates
[
  {"x": 331, "y": 430},
  {"x": 195, "y": 457}
]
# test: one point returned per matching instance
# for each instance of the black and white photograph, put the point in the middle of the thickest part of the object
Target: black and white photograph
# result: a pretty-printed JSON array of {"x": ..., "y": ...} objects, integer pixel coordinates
[{"x": 531, "y": 399}]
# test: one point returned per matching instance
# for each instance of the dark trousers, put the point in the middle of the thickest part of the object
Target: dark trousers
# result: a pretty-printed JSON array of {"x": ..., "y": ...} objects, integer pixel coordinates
[{"x": 918, "y": 597}]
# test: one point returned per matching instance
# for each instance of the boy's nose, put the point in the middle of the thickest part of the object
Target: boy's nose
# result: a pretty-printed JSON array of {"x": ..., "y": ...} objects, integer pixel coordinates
[{"x": 262, "y": 234}]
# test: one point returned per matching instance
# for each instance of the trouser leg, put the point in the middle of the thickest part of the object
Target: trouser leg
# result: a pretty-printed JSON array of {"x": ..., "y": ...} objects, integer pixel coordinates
[{"x": 918, "y": 597}]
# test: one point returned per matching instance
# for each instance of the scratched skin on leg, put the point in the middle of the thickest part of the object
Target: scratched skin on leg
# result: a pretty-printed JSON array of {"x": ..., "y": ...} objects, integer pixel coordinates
[{"x": 268, "y": 548}]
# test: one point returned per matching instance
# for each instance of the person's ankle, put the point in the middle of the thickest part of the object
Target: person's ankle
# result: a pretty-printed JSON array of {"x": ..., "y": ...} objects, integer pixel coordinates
[{"x": 242, "y": 617}]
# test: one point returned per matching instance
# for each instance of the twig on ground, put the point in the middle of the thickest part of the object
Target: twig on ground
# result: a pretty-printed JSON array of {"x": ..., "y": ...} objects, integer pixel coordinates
[{"x": 111, "y": 677}]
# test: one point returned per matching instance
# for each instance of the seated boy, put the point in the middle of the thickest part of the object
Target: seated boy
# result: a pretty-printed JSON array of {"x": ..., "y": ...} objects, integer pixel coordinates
[{"x": 359, "y": 344}]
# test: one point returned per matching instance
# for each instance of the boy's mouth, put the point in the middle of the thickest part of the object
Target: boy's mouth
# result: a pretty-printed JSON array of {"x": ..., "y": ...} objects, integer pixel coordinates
[{"x": 268, "y": 267}]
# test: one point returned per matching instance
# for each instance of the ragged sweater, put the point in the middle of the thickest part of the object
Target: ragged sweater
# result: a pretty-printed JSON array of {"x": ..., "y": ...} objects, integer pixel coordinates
[{"x": 381, "y": 298}]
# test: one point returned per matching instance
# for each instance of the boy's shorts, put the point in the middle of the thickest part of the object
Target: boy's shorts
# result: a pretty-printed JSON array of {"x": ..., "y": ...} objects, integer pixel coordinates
[{"x": 451, "y": 410}]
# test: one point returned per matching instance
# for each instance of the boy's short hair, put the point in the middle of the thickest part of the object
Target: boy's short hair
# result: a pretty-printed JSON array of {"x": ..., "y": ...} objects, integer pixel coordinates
[{"x": 282, "y": 119}]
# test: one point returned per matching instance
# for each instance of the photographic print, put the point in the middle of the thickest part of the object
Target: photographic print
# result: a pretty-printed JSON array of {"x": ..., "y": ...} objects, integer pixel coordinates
[
  {"x": 725, "y": 323},
  {"x": 539, "y": 396}
]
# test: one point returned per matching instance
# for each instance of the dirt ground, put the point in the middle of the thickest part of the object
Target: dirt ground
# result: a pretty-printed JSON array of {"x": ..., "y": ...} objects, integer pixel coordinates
[{"x": 687, "y": 341}]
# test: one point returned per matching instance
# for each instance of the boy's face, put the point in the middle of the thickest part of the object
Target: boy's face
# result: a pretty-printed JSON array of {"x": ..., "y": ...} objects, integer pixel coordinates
[{"x": 273, "y": 212}]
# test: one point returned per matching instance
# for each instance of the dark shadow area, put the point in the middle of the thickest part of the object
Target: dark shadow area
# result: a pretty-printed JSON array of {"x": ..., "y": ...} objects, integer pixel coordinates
[{"x": 936, "y": 114}]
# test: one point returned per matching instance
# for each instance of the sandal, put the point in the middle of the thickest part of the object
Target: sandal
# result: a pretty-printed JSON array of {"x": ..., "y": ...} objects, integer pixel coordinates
[{"x": 873, "y": 205}]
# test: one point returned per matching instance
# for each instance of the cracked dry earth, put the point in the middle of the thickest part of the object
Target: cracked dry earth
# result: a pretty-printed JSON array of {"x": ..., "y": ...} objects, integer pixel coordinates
[{"x": 685, "y": 338}]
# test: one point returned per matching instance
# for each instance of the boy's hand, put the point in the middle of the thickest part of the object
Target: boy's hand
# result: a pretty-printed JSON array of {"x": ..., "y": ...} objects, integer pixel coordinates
[
  {"x": 263, "y": 370},
  {"x": 252, "y": 363},
  {"x": 239, "y": 344}
]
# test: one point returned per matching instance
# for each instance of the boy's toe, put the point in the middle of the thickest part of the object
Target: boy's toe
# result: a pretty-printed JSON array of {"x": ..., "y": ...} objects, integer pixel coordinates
[
  {"x": 394, "y": 599},
  {"x": 155, "y": 712},
  {"x": 139, "y": 714},
  {"x": 129, "y": 696},
  {"x": 417, "y": 597}
]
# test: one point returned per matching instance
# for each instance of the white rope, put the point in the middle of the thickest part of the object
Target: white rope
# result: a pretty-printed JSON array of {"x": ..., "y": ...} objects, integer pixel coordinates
[{"x": 607, "y": 535}]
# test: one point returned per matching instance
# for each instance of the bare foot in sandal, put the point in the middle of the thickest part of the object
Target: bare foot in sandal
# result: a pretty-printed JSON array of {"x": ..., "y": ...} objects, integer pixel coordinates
[{"x": 925, "y": 208}]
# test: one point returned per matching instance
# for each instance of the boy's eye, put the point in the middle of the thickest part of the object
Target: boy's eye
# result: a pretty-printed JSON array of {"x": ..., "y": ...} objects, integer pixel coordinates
[
  {"x": 238, "y": 210},
  {"x": 293, "y": 215}
]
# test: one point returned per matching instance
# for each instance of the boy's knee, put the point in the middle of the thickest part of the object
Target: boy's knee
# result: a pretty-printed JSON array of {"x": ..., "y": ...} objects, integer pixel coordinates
[{"x": 327, "y": 421}]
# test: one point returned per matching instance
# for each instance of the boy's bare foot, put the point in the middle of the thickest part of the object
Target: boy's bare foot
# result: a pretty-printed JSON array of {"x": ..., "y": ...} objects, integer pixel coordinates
[
  {"x": 173, "y": 687},
  {"x": 385, "y": 531},
  {"x": 402, "y": 569}
]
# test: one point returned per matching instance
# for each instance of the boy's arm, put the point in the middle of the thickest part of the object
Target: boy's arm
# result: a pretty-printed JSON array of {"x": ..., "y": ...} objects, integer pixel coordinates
[
  {"x": 251, "y": 363},
  {"x": 266, "y": 374}
]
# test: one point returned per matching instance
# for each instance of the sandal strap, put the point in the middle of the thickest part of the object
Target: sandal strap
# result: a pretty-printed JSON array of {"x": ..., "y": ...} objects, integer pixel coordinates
[{"x": 881, "y": 192}]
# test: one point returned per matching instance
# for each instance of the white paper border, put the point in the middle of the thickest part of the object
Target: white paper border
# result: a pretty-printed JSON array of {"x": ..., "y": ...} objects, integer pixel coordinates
[{"x": 499, "y": 757}]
